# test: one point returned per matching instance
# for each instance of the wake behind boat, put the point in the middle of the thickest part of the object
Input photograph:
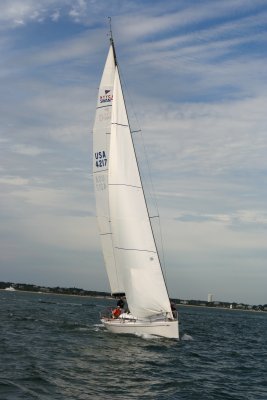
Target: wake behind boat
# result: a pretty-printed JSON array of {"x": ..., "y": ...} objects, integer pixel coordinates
[
  {"x": 10, "y": 289},
  {"x": 159, "y": 325},
  {"x": 128, "y": 244}
]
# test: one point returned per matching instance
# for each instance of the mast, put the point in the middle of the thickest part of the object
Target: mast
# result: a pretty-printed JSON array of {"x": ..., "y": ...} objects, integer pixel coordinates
[{"x": 112, "y": 42}]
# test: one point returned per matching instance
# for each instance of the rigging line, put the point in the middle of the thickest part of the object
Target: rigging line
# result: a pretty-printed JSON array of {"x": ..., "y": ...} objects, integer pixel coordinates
[
  {"x": 110, "y": 29},
  {"x": 139, "y": 130},
  {"x": 112, "y": 41}
]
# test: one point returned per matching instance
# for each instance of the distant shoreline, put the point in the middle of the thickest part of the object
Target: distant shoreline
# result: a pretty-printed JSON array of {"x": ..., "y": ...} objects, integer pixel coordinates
[
  {"x": 112, "y": 298},
  {"x": 74, "y": 291},
  {"x": 57, "y": 294},
  {"x": 220, "y": 308}
]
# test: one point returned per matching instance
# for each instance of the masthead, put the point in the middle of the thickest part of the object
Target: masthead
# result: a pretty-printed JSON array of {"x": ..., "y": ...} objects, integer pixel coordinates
[
  {"x": 112, "y": 41},
  {"x": 110, "y": 30}
]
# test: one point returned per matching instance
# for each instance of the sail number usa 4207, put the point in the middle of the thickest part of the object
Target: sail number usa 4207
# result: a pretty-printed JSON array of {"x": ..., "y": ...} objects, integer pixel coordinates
[{"x": 100, "y": 159}]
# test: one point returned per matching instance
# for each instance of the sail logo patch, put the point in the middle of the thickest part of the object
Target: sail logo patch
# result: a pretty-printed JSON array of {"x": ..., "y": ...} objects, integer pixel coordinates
[
  {"x": 100, "y": 159},
  {"x": 107, "y": 97}
]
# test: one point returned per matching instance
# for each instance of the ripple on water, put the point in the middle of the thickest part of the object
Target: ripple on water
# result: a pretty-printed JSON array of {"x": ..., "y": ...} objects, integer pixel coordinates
[{"x": 57, "y": 349}]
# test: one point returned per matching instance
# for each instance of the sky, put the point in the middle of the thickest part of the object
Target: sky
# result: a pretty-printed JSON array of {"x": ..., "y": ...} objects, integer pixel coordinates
[{"x": 195, "y": 81}]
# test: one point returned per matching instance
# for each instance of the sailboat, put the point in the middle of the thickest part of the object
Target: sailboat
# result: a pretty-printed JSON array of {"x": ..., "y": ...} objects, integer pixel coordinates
[{"x": 128, "y": 244}]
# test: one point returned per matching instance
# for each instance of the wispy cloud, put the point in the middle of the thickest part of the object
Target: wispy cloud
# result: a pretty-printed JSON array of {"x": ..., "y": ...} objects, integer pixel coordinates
[
  {"x": 252, "y": 218},
  {"x": 55, "y": 15},
  {"x": 14, "y": 181},
  {"x": 27, "y": 150}
]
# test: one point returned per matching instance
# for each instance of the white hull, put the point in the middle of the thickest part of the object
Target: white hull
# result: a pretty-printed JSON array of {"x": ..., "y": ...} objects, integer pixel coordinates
[{"x": 168, "y": 329}]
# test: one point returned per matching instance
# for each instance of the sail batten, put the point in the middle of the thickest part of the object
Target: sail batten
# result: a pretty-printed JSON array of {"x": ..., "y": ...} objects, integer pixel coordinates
[
  {"x": 148, "y": 251},
  {"x": 109, "y": 105},
  {"x": 116, "y": 123},
  {"x": 124, "y": 184}
]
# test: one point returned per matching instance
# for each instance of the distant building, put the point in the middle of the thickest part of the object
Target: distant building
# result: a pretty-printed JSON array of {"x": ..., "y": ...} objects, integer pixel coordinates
[{"x": 210, "y": 298}]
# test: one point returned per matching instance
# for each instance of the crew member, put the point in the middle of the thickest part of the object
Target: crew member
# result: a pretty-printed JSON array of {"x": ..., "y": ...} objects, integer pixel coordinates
[
  {"x": 116, "y": 312},
  {"x": 120, "y": 303},
  {"x": 174, "y": 311}
]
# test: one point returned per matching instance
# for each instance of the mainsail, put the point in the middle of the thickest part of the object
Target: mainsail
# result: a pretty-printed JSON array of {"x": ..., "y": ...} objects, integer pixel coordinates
[
  {"x": 129, "y": 248},
  {"x": 101, "y": 139}
]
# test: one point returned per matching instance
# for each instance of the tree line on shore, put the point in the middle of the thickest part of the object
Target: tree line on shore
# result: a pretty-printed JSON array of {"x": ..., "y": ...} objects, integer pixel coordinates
[{"x": 93, "y": 293}]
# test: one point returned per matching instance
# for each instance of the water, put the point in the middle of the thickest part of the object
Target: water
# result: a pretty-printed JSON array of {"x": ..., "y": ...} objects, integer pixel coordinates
[{"x": 53, "y": 347}]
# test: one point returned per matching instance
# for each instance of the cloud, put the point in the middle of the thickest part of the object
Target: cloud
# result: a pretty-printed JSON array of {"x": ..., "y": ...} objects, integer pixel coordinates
[
  {"x": 14, "y": 181},
  {"x": 15, "y": 10},
  {"x": 55, "y": 15},
  {"x": 18, "y": 12},
  {"x": 154, "y": 20},
  {"x": 78, "y": 10},
  {"x": 207, "y": 139},
  {"x": 252, "y": 218},
  {"x": 27, "y": 150}
]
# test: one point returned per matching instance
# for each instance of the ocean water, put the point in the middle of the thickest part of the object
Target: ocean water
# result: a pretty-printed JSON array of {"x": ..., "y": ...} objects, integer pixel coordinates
[{"x": 54, "y": 347}]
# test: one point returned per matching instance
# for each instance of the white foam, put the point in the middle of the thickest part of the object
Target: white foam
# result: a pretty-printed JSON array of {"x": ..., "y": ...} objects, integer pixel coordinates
[
  {"x": 186, "y": 337},
  {"x": 98, "y": 327},
  {"x": 147, "y": 336}
]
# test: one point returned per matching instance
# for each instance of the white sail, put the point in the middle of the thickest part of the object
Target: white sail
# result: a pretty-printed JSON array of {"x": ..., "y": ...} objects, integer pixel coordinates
[
  {"x": 134, "y": 246},
  {"x": 101, "y": 139}
]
